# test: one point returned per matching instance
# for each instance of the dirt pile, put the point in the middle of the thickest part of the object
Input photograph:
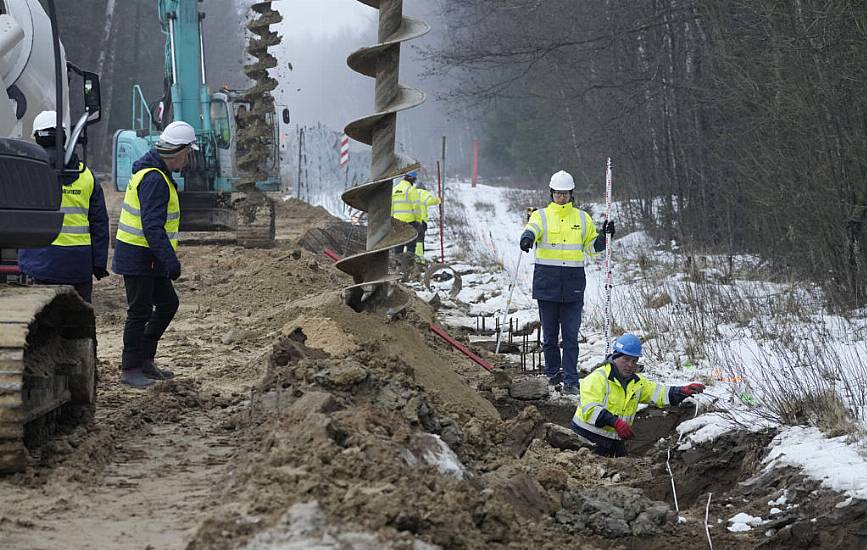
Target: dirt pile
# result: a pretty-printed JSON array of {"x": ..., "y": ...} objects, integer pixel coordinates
[{"x": 368, "y": 419}]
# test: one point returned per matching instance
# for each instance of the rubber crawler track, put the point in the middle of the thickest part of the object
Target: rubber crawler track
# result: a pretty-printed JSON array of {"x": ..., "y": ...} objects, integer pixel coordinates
[{"x": 47, "y": 367}]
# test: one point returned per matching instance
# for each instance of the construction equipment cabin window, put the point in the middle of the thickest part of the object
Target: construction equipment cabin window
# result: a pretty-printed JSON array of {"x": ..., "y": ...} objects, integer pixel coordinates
[{"x": 220, "y": 120}]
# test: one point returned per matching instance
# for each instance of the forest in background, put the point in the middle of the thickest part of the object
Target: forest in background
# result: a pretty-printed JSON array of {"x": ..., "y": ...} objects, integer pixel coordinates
[{"x": 736, "y": 126}]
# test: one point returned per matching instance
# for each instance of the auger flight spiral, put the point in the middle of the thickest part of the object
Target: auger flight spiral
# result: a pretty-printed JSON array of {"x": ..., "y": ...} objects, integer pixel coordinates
[
  {"x": 369, "y": 269},
  {"x": 255, "y": 210}
]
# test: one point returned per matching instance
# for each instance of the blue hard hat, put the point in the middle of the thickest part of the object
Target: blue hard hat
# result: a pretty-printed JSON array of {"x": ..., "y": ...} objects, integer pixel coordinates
[
  {"x": 413, "y": 174},
  {"x": 628, "y": 344}
]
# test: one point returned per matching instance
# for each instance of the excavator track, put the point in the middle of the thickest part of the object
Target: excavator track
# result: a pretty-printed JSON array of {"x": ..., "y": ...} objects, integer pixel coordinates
[{"x": 47, "y": 368}]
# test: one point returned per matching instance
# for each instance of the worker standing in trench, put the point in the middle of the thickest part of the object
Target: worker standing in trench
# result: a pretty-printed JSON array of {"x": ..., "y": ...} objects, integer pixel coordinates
[
  {"x": 147, "y": 238},
  {"x": 610, "y": 396},
  {"x": 564, "y": 237}
]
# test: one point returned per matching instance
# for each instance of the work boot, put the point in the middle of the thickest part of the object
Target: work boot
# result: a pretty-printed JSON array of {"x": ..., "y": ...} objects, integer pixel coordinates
[
  {"x": 150, "y": 370},
  {"x": 569, "y": 389},
  {"x": 135, "y": 378}
]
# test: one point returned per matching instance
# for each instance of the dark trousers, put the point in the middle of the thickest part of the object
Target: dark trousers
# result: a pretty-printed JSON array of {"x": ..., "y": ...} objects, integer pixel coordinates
[
  {"x": 605, "y": 446},
  {"x": 409, "y": 247},
  {"x": 84, "y": 289},
  {"x": 422, "y": 231},
  {"x": 151, "y": 305},
  {"x": 557, "y": 318}
]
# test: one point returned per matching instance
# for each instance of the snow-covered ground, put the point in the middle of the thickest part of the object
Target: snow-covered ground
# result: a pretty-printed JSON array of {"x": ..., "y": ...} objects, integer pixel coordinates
[{"x": 753, "y": 343}]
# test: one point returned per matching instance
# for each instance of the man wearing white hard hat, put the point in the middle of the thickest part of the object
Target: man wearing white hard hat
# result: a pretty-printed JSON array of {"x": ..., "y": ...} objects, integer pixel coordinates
[
  {"x": 147, "y": 238},
  {"x": 564, "y": 237},
  {"x": 80, "y": 251}
]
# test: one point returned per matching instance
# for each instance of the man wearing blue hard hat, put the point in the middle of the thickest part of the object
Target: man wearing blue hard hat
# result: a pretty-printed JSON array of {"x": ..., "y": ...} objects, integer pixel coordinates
[{"x": 610, "y": 396}]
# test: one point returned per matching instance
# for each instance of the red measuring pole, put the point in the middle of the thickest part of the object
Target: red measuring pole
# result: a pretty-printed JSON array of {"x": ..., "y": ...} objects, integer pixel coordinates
[{"x": 440, "y": 192}]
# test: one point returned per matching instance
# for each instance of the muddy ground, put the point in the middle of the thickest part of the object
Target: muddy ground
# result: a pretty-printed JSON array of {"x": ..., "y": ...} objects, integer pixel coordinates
[{"x": 295, "y": 422}]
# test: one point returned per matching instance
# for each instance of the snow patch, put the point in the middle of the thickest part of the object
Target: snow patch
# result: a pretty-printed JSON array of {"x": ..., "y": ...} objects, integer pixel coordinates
[
  {"x": 835, "y": 463},
  {"x": 743, "y": 522}
]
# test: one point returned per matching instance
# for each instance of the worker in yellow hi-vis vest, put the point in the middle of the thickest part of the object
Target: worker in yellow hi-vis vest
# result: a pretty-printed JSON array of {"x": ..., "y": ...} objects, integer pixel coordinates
[
  {"x": 80, "y": 251},
  {"x": 403, "y": 206},
  {"x": 564, "y": 237},
  {"x": 424, "y": 200},
  {"x": 147, "y": 238}
]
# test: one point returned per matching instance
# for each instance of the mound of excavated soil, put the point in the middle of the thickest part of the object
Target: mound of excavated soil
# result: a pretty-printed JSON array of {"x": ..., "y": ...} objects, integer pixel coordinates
[{"x": 369, "y": 420}]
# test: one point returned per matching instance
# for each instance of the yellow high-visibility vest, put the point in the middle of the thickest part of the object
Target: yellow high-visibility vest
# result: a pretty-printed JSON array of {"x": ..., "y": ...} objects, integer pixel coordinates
[
  {"x": 564, "y": 235},
  {"x": 403, "y": 197},
  {"x": 424, "y": 200},
  {"x": 599, "y": 392},
  {"x": 130, "y": 229},
  {"x": 75, "y": 205}
]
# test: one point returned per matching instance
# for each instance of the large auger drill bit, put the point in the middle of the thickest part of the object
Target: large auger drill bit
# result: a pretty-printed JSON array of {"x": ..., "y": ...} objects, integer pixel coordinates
[
  {"x": 256, "y": 135},
  {"x": 369, "y": 269}
]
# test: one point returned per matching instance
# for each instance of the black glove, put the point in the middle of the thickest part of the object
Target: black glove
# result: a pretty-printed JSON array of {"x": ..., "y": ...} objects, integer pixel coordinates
[
  {"x": 100, "y": 273},
  {"x": 526, "y": 244},
  {"x": 608, "y": 227},
  {"x": 175, "y": 275}
]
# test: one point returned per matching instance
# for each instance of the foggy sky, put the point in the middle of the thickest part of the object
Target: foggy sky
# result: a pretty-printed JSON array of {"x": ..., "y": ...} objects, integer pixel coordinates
[{"x": 318, "y": 35}]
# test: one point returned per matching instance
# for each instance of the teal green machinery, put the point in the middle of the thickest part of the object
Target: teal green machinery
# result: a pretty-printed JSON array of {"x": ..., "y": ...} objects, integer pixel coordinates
[{"x": 212, "y": 183}]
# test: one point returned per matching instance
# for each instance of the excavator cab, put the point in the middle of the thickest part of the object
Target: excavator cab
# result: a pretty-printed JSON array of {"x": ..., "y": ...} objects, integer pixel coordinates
[{"x": 228, "y": 113}]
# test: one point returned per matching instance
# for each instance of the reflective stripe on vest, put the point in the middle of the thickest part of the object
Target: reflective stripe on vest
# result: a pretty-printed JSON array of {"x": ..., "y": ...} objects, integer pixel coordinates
[
  {"x": 559, "y": 241},
  {"x": 626, "y": 410},
  {"x": 129, "y": 227},
  {"x": 75, "y": 205},
  {"x": 424, "y": 200},
  {"x": 403, "y": 205}
]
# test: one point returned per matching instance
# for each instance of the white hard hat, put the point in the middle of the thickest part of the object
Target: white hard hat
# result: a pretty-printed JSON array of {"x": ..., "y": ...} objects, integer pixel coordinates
[
  {"x": 562, "y": 181},
  {"x": 44, "y": 121},
  {"x": 178, "y": 133}
]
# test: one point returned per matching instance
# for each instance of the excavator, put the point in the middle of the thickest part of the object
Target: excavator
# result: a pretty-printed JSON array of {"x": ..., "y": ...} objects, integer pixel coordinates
[
  {"x": 47, "y": 333},
  {"x": 222, "y": 189}
]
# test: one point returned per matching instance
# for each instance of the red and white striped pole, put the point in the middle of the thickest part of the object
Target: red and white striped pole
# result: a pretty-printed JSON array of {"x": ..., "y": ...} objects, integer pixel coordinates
[
  {"x": 608, "y": 259},
  {"x": 344, "y": 153},
  {"x": 344, "y": 166}
]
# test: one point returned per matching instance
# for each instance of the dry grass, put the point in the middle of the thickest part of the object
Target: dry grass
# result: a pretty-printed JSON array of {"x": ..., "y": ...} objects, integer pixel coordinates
[{"x": 805, "y": 375}]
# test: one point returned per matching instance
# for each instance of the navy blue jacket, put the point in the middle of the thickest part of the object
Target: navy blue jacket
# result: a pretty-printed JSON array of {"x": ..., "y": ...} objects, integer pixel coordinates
[
  {"x": 553, "y": 283},
  {"x": 71, "y": 264},
  {"x": 158, "y": 259}
]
